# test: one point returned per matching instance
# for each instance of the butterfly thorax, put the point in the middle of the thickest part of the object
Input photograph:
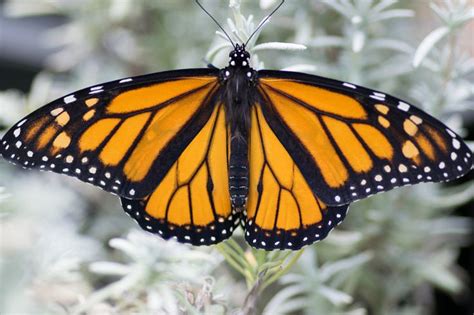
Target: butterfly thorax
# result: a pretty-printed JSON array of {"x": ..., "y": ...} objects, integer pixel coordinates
[{"x": 239, "y": 80}]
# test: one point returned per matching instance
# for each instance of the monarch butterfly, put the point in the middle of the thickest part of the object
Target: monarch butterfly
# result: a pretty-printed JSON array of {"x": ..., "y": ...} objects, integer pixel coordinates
[{"x": 195, "y": 153}]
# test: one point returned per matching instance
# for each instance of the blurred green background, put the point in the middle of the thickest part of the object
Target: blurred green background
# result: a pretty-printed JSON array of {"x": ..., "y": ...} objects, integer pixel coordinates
[{"x": 68, "y": 248}]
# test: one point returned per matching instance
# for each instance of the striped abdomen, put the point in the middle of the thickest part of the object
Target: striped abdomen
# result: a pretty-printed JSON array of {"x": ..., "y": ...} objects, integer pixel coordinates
[{"x": 238, "y": 172}]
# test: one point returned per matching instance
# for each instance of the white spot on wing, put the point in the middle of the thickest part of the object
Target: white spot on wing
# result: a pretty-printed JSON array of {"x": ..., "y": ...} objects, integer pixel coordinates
[
  {"x": 456, "y": 144},
  {"x": 403, "y": 106},
  {"x": 70, "y": 99},
  {"x": 452, "y": 134},
  {"x": 17, "y": 132},
  {"x": 21, "y": 123},
  {"x": 376, "y": 97},
  {"x": 352, "y": 86}
]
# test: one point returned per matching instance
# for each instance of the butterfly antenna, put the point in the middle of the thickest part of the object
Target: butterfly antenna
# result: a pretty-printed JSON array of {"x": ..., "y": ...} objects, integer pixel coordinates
[
  {"x": 215, "y": 21},
  {"x": 264, "y": 21}
]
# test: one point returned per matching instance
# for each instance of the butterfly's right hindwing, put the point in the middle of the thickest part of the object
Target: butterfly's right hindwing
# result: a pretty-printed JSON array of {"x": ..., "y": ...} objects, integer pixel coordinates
[{"x": 192, "y": 202}]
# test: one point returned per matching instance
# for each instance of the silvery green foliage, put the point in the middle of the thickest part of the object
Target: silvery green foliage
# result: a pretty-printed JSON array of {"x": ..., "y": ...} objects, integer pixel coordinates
[
  {"x": 240, "y": 29},
  {"x": 68, "y": 248},
  {"x": 156, "y": 277}
]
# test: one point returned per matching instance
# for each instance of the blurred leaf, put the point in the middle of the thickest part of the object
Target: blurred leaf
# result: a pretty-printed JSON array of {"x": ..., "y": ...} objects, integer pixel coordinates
[
  {"x": 428, "y": 43},
  {"x": 336, "y": 297},
  {"x": 278, "y": 46}
]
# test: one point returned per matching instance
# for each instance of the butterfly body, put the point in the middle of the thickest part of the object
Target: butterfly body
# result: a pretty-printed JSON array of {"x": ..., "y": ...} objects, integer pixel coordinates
[
  {"x": 239, "y": 84},
  {"x": 195, "y": 153}
]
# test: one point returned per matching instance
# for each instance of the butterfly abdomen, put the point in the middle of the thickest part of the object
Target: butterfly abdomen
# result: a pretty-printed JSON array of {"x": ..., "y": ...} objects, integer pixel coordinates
[{"x": 238, "y": 172}]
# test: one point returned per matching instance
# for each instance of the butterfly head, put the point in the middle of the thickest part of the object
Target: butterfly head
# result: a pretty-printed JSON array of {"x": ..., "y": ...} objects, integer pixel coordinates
[
  {"x": 239, "y": 67},
  {"x": 239, "y": 57}
]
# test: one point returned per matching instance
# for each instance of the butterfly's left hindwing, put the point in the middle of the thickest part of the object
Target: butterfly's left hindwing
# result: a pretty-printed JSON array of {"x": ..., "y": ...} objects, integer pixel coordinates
[
  {"x": 121, "y": 136},
  {"x": 192, "y": 202},
  {"x": 351, "y": 142}
]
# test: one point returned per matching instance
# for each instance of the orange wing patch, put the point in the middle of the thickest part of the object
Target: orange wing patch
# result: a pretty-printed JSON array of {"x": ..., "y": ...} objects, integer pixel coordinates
[
  {"x": 375, "y": 140},
  {"x": 96, "y": 134},
  {"x": 164, "y": 126},
  {"x": 46, "y": 136},
  {"x": 275, "y": 171},
  {"x": 192, "y": 168},
  {"x": 426, "y": 146},
  {"x": 117, "y": 146},
  {"x": 320, "y": 99},
  {"x": 151, "y": 96},
  {"x": 310, "y": 132},
  {"x": 350, "y": 146}
]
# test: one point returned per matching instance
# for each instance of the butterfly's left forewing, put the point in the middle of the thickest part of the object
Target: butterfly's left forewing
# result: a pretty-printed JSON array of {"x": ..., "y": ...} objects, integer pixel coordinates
[
  {"x": 351, "y": 142},
  {"x": 122, "y": 136}
]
